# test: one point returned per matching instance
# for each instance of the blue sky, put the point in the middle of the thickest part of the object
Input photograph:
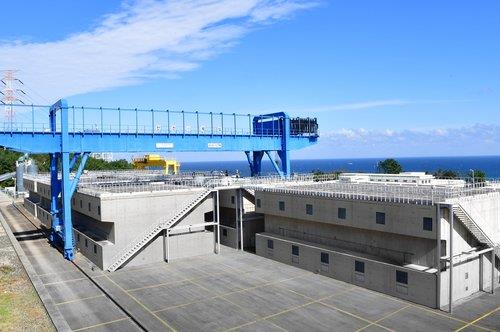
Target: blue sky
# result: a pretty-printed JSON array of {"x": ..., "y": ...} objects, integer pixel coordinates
[{"x": 384, "y": 78}]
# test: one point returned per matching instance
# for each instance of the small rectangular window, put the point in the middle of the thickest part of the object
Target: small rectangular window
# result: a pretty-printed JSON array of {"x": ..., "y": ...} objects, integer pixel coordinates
[
  {"x": 359, "y": 266},
  {"x": 325, "y": 258},
  {"x": 380, "y": 218},
  {"x": 309, "y": 209},
  {"x": 224, "y": 232},
  {"x": 86, "y": 243},
  {"x": 281, "y": 205},
  {"x": 466, "y": 275},
  {"x": 427, "y": 224},
  {"x": 402, "y": 277},
  {"x": 95, "y": 249},
  {"x": 78, "y": 237},
  {"x": 232, "y": 199},
  {"x": 81, "y": 204},
  {"x": 90, "y": 207},
  {"x": 99, "y": 210},
  {"x": 342, "y": 213},
  {"x": 74, "y": 201},
  {"x": 270, "y": 244},
  {"x": 295, "y": 250},
  {"x": 258, "y": 202}
]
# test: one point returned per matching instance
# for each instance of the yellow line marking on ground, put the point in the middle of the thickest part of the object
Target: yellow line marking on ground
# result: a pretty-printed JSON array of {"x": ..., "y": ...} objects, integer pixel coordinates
[
  {"x": 221, "y": 295},
  {"x": 142, "y": 305},
  {"x": 215, "y": 275},
  {"x": 385, "y": 317},
  {"x": 478, "y": 319},
  {"x": 354, "y": 315},
  {"x": 64, "y": 281},
  {"x": 281, "y": 328},
  {"x": 101, "y": 324},
  {"x": 287, "y": 310},
  {"x": 429, "y": 310},
  {"x": 81, "y": 299}
]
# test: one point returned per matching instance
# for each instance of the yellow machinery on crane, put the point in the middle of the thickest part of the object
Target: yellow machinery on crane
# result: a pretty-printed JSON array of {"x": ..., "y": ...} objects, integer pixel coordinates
[{"x": 155, "y": 161}]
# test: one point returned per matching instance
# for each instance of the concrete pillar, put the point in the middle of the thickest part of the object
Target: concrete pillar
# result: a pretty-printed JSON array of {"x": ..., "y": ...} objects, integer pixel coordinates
[
  {"x": 438, "y": 256},
  {"x": 240, "y": 210},
  {"x": 218, "y": 224},
  {"x": 493, "y": 271},
  {"x": 450, "y": 208}
]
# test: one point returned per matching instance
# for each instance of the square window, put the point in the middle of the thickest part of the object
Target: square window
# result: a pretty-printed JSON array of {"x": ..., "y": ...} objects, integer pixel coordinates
[
  {"x": 295, "y": 250},
  {"x": 325, "y": 258},
  {"x": 270, "y": 244},
  {"x": 402, "y": 277},
  {"x": 380, "y": 218},
  {"x": 281, "y": 205},
  {"x": 427, "y": 224},
  {"x": 232, "y": 199},
  {"x": 359, "y": 266},
  {"x": 258, "y": 203},
  {"x": 224, "y": 232},
  {"x": 95, "y": 249},
  {"x": 309, "y": 209},
  {"x": 342, "y": 213}
]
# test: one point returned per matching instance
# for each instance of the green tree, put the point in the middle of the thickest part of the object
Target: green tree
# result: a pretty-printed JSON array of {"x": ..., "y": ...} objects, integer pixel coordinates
[
  {"x": 446, "y": 174},
  {"x": 390, "y": 166},
  {"x": 476, "y": 176}
]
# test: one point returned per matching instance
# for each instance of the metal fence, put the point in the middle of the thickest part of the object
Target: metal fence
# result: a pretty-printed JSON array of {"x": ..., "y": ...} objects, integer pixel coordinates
[
  {"x": 397, "y": 193},
  {"x": 320, "y": 185}
]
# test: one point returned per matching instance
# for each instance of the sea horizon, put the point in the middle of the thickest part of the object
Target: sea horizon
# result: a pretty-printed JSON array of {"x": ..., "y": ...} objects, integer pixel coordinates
[{"x": 490, "y": 164}]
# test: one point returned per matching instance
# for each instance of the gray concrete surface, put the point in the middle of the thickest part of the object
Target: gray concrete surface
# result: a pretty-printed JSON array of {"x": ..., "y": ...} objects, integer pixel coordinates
[{"x": 235, "y": 291}]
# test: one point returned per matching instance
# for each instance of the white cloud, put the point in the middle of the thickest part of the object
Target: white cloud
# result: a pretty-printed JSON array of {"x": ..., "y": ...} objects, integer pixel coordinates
[
  {"x": 143, "y": 40},
  {"x": 374, "y": 104},
  {"x": 477, "y": 139}
]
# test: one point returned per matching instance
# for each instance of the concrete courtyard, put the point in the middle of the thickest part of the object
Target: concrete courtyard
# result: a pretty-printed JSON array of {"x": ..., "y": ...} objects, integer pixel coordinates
[{"x": 233, "y": 291}]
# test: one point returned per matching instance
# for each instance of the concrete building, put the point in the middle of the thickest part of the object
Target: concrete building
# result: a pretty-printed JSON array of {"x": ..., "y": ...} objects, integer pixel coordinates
[
  {"x": 389, "y": 233},
  {"x": 388, "y": 237},
  {"x": 117, "y": 213}
]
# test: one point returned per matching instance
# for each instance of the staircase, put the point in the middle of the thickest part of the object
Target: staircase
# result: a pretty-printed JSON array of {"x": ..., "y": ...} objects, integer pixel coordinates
[
  {"x": 475, "y": 230},
  {"x": 154, "y": 230}
]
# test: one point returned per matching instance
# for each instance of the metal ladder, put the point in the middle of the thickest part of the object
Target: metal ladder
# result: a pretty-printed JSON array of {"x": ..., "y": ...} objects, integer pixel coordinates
[
  {"x": 154, "y": 230},
  {"x": 475, "y": 230}
]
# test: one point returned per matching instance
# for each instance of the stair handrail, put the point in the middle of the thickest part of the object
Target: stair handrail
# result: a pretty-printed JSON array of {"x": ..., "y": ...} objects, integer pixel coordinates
[
  {"x": 163, "y": 221},
  {"x": 475, "y": 224}
]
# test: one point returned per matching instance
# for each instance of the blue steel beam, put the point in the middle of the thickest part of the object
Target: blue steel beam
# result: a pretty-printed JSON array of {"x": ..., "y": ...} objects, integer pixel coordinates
[
  {"x": 269, "y": 133},
  {"x": 78, "y": 142}
]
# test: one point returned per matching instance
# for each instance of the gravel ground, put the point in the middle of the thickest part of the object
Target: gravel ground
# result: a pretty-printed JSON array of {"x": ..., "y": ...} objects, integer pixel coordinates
[{"x": 20, "y": 306}]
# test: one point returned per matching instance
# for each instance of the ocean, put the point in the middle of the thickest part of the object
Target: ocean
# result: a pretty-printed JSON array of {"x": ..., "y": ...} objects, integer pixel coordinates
[{"x": 489, "y": 164}]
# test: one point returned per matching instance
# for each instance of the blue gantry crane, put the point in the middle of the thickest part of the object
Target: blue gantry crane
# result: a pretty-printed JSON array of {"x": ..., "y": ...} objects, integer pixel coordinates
[{"x": 72, "y": 133}]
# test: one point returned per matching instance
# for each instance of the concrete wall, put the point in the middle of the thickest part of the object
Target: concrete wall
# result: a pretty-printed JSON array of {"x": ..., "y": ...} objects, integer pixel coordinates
[
  {"x": 378, "y": 276},
  {"x": 397, "y": 248},
  {"x": 485, "y": 210},
  {"x": 191, "y": 244},
  {"x": 404, "y": 219},
  {"x": 228, "y": 236},
  {"x": 469, "y": 276}
]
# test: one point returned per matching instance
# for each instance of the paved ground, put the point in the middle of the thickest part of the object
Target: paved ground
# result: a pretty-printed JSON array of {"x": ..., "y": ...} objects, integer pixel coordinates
[
  {"x": 233, "y": 291},
  {"x": 20, "y": 305}
]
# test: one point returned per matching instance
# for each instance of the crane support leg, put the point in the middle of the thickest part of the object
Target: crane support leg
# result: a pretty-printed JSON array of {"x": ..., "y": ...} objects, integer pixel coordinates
[
  {"x": 285, "y": 163},
  {"x": 273, "y": 162},
  {"x": 255, "y": 162},
  {"x": 55, "y": 190}
]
